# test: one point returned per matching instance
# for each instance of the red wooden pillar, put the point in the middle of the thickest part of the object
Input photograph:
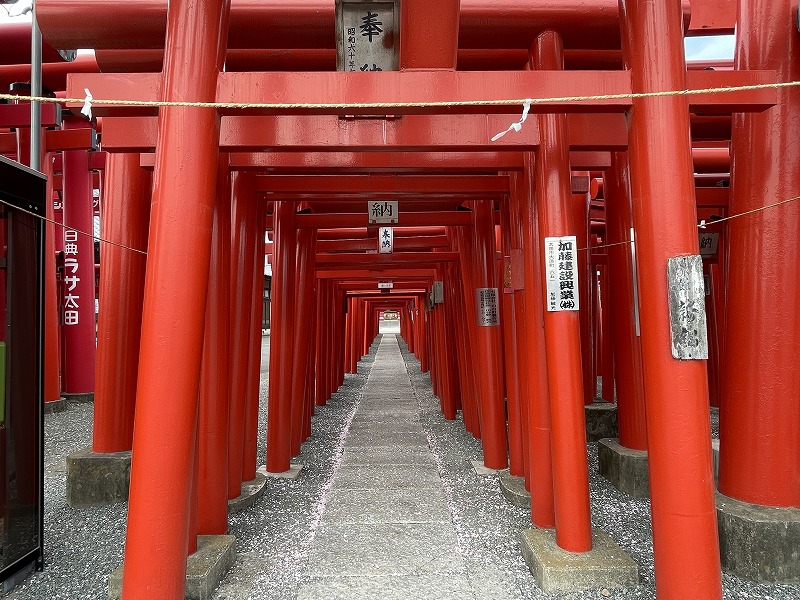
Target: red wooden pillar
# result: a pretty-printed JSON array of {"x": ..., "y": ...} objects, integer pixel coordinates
[
  {"x": 513, "y": 390},
  {"x": 53, "y": 239},
  {"x": 212, "y": 482},
  {"x": 253, "y": 383},
  {"x": 562, "y": 328},
  {"x": 174, "y": 303},
  {"x": 462, "y": 322},
  {"x": 687, "y": 560},
  {"x": 580, "y": 219},
  {"x": 516, "y": 206},
  {"x": 243, "y": 251},
  {"x": 322, "y": 352},
  {"x": 304, "y": 296},
  {"x": 606, "y": 341},
  {"x": 759, "y": 419},
  {"x": 539, "y": 436},
  {"x": 631, "y": 417},
  {"x": 126, "y": 221},
  {"x": 78, "y": 302},
  {"x": 282, "y": 339},
  {"x": 488, "y": 342}
]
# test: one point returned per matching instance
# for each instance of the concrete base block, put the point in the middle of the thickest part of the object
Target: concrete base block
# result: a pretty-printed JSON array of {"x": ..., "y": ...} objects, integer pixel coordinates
[
  {"x": 97, "y": 478},
  {"x": 79, "y": 398},
  {"x": 481, "y": 469},
  {"x": 292, "y": 473},
  {"x": 625, "y": 468},
  {"x": 557, "y": 571},
  {"x": 757, "y": 542},
  {"x": 513, "y": 489},
  {"x": 601, "y": 421},
  {"x": 251, "y": 491},
  {"x": 56, "y": 406},
  {"x": 204, "y": 569}
]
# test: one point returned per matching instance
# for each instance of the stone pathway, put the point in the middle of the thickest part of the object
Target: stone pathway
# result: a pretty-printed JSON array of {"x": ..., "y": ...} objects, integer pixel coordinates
[{"x": 386, "y": 531}]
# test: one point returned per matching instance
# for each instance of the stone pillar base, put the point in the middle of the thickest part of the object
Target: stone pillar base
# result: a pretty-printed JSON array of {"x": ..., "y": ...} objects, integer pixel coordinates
[
  {"x": 482, "y": 470},
  {"x": 205, "y": 569},
  {"x": 757, "y": 542},
  {"x": 513, "y": 489},
  {"x": 625, "y": 468},
  {"x": 292, "y": 473},
  {"x": 601, "y": 421},
  {"x": 55, "y": 406},
  {"x": 557, "y": 571},
  {"x": 251, "y": 491},
  {"x": 97, "y": 478},
  {"x": 79, "y": 398}
]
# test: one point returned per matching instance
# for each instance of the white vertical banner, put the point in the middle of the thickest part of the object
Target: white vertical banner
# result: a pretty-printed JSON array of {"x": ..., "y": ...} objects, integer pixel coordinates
[
  {"x": 385, "y": 240},
  {"x": 560, "y": 255}
]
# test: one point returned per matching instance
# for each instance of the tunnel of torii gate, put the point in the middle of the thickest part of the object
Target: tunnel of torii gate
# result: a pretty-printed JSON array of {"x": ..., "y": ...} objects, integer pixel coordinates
[{"x": 631, "y": 238}]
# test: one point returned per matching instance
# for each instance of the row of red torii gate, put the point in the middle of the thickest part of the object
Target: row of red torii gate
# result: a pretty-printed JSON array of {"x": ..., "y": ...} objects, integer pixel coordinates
[{"x": 522, "y": 266}]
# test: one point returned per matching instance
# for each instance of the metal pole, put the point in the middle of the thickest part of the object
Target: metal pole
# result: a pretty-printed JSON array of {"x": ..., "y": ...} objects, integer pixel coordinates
[{"x": 36, "y": 90}]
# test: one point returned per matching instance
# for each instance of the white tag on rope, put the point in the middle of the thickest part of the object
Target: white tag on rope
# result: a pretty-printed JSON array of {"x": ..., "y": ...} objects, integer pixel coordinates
[
  {"x": 702, "y": 224},
  {"x": 526, "y": 107},
  {"x": 87, "y": 104}
]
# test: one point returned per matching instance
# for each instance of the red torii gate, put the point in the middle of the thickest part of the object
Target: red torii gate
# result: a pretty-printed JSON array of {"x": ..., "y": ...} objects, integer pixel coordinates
[{"x": 654, "y": 112}]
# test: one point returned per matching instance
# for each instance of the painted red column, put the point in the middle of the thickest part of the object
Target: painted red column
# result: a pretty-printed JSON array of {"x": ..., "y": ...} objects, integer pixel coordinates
[
  {"x": 513, "y": 390},
  {"x": 606, "y": 341},
  {"x": 304, "y": 286},
  {"x": 281, "y": 339},
  {"x": 631, "y": 417},
  {"x": 212, "y": 483},
  {"x": 244, "y": 243},
  {"x": 78, "y": 302},
  {"x": 562, "y": 328},
  {"x": 125, "y": 220},
  {"x": 489, "y": 343},
  {"x": 174, "y": 304},
  {"x": 250, "y": 446},
  {"x": 539, "y": 435},
  {"x": 321, "y": 353},
  {"x": 516, "y": 205},
  {"x": 759, "y": 418},
  {"x": 580, "y": 219},
  {"x": 687, "y": 560}
]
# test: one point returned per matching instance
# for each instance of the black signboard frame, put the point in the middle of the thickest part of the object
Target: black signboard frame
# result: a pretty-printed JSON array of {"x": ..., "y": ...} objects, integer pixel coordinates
[{"x": 23, "y": 195}]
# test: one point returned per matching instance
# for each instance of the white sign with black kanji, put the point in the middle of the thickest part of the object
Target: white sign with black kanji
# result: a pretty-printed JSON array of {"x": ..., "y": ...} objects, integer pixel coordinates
[
  {"x": 383, "y": 211},
  {"x": 561, "y": 264},
  {"x": 385, "y": 240}
]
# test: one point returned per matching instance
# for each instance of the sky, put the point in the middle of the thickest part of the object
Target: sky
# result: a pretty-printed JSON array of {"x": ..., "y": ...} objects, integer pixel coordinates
[{"x": 697, "y": 48}]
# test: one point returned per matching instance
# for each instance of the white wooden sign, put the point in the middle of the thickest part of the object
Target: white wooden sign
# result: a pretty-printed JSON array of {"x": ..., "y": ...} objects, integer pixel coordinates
[
  {"x": 385, "y": 240},
  {"x": 383, "y": 211},
  {"x": 560, "y": 255},
  {"x": 366, "y": 36},
  {"x": 385, "y": 285}
]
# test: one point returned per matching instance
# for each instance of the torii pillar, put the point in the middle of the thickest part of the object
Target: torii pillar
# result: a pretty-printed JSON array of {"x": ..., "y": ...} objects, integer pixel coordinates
[
  {"x": 759, "y": 461},
  {"x": 686, "y": 547},
  {"x": 165, "y": 428}
]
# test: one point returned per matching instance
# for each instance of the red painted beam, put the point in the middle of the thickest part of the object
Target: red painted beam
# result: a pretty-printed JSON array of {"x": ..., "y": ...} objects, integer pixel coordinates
[
  {"x": 386, "y": 259},
  {"x": 342, "y": 93},
  {"x": 390, "y": 272},
  {"x": 423, "y": 133},
  {"x": 19, "y": 115},
  {"x": 392, "y": 184},
  {"x": 400, "y": 244},
  {"x": 17, "y": 46},
  {"x": 349, "y": 220}
]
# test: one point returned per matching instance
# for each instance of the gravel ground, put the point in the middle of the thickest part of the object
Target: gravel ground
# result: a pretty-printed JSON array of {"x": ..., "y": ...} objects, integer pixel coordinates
[{"x": 274, "y": 536}]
